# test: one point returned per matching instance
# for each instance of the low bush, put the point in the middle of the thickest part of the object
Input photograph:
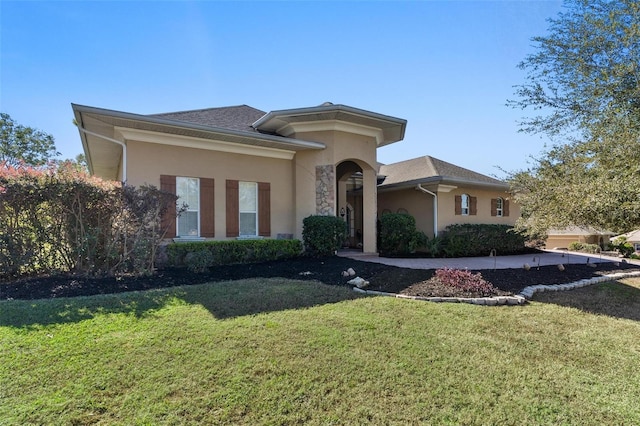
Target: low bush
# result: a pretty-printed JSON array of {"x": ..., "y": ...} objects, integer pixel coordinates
[
  {"x": 230, "y": 252},
  {"x": 399, "y": 236},
  {"x": 323, "y": 235},
  {"x": 584, "y": 247},
  {"x": 480, "y": 239},
  {"x": 465, "y": 280},
  {"x": 622, "y": 246}
]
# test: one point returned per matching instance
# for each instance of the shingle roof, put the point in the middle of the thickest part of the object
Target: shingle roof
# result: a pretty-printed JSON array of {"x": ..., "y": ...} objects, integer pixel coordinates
[
  {"x": 428, "y": 168},
  {"x": 632, "y": 237},
  {"x": 238, "y": 117}
]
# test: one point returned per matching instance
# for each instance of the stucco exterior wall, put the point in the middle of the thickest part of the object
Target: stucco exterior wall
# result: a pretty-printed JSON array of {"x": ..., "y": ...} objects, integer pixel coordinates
[
  {"x": 446, "y": 208},
  {"x": 416, "y": 203},
  {"x": 563, "y": 241},
  {"x": 147, "y": 161},
  {"x": 340, "y": 146}
]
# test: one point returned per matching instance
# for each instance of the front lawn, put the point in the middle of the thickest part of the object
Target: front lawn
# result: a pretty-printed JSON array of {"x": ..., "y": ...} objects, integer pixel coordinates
[{"x": 273, "y": 351}]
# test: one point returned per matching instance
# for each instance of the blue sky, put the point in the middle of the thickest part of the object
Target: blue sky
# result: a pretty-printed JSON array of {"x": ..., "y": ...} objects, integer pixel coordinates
[{"x": 448, "y": 67}]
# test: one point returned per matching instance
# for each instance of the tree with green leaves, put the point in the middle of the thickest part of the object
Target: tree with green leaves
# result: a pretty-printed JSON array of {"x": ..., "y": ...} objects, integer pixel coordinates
[
  {"x": 583, "y": 84},
  {"x": 20, "y": 144}
]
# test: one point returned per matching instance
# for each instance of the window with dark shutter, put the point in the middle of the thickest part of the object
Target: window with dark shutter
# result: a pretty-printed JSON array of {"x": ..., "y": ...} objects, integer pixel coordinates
[
  {"x": 168, "y": 184},
  {"x": 473, "y": 206},
  {"x": 207, "y": 208},
  {"x": 264, "y": 209},
  {"x": 494, "y": 207},
  {"x": 232, "y": 209}
]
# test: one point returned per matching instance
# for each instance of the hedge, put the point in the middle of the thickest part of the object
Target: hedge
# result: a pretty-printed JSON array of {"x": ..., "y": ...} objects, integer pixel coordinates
[
  {"x": 480, "y": 239},
  {"x": 233, "y": 251}
]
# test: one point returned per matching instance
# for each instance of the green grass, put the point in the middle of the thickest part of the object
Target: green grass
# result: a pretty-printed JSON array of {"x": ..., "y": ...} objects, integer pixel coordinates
[{"x": 273, "y": 352}]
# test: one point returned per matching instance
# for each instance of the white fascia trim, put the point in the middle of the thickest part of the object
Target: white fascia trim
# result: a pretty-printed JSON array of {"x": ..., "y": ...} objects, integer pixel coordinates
[
  {"x": 337, "y": 125},
  {"x": 207, "y": 144}
]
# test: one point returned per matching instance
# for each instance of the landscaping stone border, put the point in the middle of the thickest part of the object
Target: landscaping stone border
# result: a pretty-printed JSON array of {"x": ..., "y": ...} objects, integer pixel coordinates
[{"x": 519, "y": 299}]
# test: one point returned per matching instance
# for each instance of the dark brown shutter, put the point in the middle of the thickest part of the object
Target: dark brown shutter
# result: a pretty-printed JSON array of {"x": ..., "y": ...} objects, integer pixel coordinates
[
  {"x": 264, "y": 209},
  {"x": 494, "y": 207},
  {"x": 458, "y": 205},
  {"x": 473, "y": 206},
  {"x": 505, "y": 208},
  {"x": 233, "y": 209},
  {"x": 168, "y": 184},
  {"x": 207, "y": 208}
]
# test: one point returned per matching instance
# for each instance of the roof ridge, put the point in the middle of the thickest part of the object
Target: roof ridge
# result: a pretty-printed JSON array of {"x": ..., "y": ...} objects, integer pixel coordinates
[{"x": 205, "y": 109}]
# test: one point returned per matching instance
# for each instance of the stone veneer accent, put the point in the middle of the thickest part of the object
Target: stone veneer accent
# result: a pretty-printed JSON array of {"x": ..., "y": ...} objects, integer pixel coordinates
[
  {"x": 325, "y": 190},
  {"x": 519, "y": 299}
]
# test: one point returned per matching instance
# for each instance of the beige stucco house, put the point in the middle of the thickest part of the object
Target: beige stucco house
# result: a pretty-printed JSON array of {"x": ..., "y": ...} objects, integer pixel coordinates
[
  {"x": 246, "y": 173},
  {"x": 439, "y": 194},
  {"x": 561, "y": 238}
]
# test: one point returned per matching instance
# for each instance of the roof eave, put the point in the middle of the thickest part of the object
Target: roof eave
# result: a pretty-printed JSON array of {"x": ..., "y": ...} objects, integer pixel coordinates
[
  {"x": 293, "y": 143},
  {"x": 433, "y": 180}
]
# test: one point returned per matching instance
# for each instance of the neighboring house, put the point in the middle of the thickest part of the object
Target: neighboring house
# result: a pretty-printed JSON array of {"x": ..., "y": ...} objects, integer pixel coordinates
[
  {"x": 245, "y": 173},
  {"x": 561, "y": 238},
  {"x": 632, "y": 237},
  {"x": 439, "y": 194}
]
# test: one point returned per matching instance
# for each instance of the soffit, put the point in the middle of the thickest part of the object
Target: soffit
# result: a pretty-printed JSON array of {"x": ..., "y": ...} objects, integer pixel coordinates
[{"x": 390, "y": 129}]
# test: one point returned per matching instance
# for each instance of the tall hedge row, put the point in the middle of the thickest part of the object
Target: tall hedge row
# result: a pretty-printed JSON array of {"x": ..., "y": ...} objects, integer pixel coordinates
[{"x": 59, "y": 219}]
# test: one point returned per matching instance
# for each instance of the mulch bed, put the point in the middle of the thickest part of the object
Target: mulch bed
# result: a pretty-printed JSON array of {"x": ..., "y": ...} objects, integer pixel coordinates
[{"x": 327, "y": 270}]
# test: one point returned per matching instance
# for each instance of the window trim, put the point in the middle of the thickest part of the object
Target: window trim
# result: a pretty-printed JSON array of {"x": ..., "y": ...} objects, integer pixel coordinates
[
  {"x": 255, "y": 212},
  {"x": 179, "y": 204},
  {"x": 499, "y": 207},
  {"x": 465, "y": 201}
]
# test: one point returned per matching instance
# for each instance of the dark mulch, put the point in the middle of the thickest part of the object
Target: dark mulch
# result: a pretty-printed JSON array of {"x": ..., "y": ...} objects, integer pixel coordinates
[{"x": 327, "y": 270}]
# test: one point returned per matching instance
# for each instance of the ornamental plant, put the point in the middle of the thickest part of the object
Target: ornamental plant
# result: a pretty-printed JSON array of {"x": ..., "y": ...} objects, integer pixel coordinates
[
  {"x": 465, "y": 280},
  {"x": 57, "y": 218}
]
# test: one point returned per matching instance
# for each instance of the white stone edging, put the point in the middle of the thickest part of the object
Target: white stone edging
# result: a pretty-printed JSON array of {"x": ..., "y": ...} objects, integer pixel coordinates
[{"x": 519, "y": 299}]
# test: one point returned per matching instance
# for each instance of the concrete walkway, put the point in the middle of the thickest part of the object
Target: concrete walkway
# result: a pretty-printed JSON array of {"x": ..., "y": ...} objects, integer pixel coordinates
[{"x": 548, "y": 257}]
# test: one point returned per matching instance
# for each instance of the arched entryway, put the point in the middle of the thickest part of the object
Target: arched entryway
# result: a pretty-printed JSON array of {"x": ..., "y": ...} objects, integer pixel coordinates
[{"x": 349, "y": 187}]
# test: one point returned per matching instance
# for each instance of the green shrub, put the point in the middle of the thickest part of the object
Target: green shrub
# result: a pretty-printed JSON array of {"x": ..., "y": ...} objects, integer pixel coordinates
[
  {"x": 480, "y": 239},
  {"x": 398, "y": 235},
  {"x": 199, "y": 261},
  {"x": 575, "y": 246},
  {"x": 433, "y": 246},
  {"x": 234, "y": 251},
  {"x": 323, "y": 235},
  {"x": 60, "y": 219},
  {"x": 622, "y": 246}
]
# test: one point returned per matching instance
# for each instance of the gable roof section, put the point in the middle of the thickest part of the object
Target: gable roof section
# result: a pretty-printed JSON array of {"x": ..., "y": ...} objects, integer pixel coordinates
[
  {"x": 98, "y": 127},
  {"x": 430, "y": 170},
  {"x": 238, "y": 117}
]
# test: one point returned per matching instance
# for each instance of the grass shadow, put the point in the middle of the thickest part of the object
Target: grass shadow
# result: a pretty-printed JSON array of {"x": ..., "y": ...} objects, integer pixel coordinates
[
  {"x": 618, "y": 299},
  {"x": 43, "y": 312},
  {"x": 222, "y": 299},
  {"x": 260, "y": 295}
]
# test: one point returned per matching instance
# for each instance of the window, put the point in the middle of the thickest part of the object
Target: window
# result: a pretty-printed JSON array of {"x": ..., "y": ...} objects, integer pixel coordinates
[
  {"x": 248, "y": 206},
  {"x": 464, "y": 204},
  {"x": 499, "y": 207},
  {"x": 199, "y": 195},
  {"x": 188, "y": 192},
  {"x": 248, "y": 209}
]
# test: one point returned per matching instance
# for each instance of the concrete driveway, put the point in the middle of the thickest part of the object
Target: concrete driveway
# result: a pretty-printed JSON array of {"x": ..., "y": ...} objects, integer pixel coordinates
[{"x": 548, "y": 257}]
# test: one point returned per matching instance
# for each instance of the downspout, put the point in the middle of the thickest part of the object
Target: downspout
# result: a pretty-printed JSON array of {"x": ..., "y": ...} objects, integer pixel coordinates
[
  {"x": 122, "y": 144},
  {"x": 435, "y": 207}
]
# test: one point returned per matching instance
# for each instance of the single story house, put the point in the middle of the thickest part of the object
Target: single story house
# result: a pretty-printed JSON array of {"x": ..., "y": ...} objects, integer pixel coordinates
[
  {"x": 561, "y": 238},
  {"x": 247, "y": 173}
]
